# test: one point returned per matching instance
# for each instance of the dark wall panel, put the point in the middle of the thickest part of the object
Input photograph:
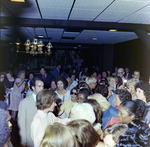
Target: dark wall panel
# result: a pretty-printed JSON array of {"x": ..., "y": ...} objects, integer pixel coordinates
[{"x": 134, "y": 55}]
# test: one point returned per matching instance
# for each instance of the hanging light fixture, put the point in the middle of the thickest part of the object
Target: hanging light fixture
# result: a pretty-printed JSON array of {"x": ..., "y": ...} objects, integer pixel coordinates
[
  {"x": 49, "y": 46},
  {"x": 37, "y": 47},
  {"x": 40, "y": 45},
  {"x": 27, "y": 44},
  {"x": 18, "y": 44}
]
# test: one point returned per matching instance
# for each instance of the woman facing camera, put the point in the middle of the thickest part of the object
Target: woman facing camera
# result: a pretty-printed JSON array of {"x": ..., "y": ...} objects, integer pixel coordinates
[
  {"x": 61, "y": 92},
  {"x": 72, "y": 81},
  {"x": 68, "y": 104},
  {"x": 59, "y": 135},
  {"x": 131, "y": 87},
  {"x": 112, "y": 85},
  {"x": 45, "y": 103}
]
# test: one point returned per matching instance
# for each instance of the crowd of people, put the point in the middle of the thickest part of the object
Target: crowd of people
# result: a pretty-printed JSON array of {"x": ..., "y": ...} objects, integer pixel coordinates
[{"x": 75, "y": 109}]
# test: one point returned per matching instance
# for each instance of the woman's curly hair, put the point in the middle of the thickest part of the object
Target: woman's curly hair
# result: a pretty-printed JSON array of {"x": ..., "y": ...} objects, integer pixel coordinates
[
  {"x": 63, "y": 79},
  {"x": 145, "y": 87}
]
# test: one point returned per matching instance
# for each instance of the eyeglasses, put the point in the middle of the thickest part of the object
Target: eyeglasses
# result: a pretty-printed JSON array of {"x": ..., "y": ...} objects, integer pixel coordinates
[{"x": 75, "y": 93}]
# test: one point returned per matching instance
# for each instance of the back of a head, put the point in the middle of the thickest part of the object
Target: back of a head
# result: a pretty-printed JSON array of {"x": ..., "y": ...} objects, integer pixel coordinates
[
  {"x": 96, "y": 108},
  {"x": 86, "y": 135},
  {"x": 83, "y": 111},
  {"x": 59, "y": 135},
  {"x": 85, "y": 91},
  {"x": 104, "y": 104},
  {"x": 123, "y": 94},
  {"x": 104, "y": 81},
  {"x": 132, "y": 81},
  {"x": 115, "y": 130},
  {"x": 82, "y": 85},
  {"x": 45, "y": 98},
  {"x": 4, "y": 130},
  {"x": 90, "y": 80},
  {"x": 102, "y": 89}
]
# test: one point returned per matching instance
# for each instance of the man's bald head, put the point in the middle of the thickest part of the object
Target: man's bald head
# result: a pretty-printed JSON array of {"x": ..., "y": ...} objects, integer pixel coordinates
[{"x": 120, "y": 72}]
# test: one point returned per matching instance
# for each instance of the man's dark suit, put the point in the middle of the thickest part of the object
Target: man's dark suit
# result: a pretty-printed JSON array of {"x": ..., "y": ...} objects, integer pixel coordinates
[
  {"x": 47, "y": 80},
  {"x": 56, "y": 72},
  {"x": 129, "y": 76}
]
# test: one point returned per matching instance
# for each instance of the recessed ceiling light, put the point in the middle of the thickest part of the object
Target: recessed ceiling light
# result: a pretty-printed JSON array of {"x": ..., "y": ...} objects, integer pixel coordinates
[
  {"x": 17, "y": 0},
  {"x": 40, "y": 36},
  {"x": 10, "y": 43},
  {"x": 79, "y": 45},
  {"x": 94, "y": 38},
  {"x": 75, "y": 47},
  {"x": 113, "y": 30}
]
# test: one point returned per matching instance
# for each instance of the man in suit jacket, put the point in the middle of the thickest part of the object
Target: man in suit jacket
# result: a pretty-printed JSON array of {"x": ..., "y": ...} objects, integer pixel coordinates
[
  {"x": 56, "y": 71},
  {"x": 47, "y": 78},
  {"x": 27, "y": 110},
  {"x": 127, "y": 74}
]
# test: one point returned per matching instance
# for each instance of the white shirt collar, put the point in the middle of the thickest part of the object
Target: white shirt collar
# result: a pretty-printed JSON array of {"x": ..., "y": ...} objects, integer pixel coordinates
[{"x": 34, "y": 96}]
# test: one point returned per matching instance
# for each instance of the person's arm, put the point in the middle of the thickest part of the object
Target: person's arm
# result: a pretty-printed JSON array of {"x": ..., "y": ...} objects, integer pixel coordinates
[
  {"x": 22, "y": 123},
  {"x": 61, "y": 109},
  {"x": 54, "y": 119}
]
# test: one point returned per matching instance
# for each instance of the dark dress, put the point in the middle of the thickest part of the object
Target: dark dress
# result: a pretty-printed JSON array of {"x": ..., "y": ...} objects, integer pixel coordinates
[{"x": 8, "y": 84}]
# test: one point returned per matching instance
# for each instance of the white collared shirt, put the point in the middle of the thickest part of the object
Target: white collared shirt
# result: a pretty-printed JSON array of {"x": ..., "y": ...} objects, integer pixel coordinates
[{"x": 34, "y": 96}]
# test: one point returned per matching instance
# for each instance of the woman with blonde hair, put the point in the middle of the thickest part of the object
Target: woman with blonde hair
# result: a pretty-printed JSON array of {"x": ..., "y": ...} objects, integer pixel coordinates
[
  {"x": 17, "y": 95},
  {"x": 110, "y": 114},
  {"x": 131, "y": 87},
  {"x": 83, "y": 111},
  {"x": 59, "y": 135},
  {"x": 112, "y": 133},
  {"x": 92, "y": 82}
]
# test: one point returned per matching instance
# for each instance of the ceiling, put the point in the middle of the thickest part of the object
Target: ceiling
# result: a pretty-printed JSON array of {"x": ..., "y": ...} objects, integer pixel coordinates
[{"x": 75, "y": 21}]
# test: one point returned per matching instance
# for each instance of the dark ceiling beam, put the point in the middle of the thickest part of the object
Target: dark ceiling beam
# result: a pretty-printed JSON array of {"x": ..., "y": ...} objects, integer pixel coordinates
[
  {"x": 49, "y": 23},
  {"x": 144, "y": 37}
]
